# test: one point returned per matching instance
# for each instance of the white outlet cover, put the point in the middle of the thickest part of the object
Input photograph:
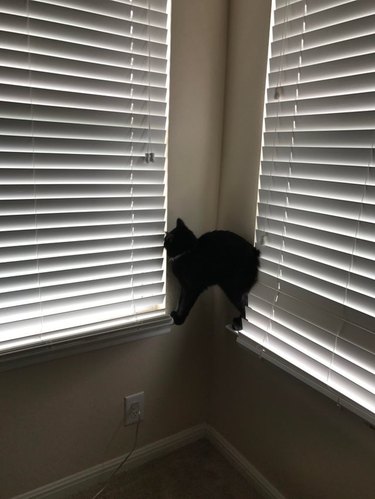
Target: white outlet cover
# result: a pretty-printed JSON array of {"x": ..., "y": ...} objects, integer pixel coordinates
[{"x": 129, "y": 401}]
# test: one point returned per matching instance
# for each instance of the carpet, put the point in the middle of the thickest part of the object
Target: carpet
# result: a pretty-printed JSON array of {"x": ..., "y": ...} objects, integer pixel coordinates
[{"x": 197, "y": 471}]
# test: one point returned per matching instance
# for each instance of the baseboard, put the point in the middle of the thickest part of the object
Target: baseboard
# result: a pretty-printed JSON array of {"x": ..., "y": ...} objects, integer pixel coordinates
[
  {"x": 73, "y": 484},
  {"x": 238, "y": 460}
]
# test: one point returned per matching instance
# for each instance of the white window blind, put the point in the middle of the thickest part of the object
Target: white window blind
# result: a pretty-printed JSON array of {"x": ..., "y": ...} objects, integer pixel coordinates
[
  {"x": 314, "y": 305},
  {"x": 83, "y": 115}
]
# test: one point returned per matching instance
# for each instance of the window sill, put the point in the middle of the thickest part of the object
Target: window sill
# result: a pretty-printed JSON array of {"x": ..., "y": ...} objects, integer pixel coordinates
[
  {"x": 85, "y": 343},
  {"x": 229, "y": 328}
]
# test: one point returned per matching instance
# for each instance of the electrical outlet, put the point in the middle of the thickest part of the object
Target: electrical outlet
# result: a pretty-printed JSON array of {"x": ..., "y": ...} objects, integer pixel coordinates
[{"x": 134, "y": 406}]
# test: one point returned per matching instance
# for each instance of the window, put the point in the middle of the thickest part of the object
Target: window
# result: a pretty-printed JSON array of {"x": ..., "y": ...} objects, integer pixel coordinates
[
  {"x": 313, "y": 310},
  {"x": 82, "y": 167}
]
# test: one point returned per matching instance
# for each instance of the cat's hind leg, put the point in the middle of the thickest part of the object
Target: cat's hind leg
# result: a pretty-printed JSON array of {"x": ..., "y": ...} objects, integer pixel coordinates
[{"x": 239, "y": 300}]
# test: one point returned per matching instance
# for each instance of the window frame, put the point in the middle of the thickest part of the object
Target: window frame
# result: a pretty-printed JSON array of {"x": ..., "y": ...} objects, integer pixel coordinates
[
  {"x": 257, "y": 348},
  {"x": 111, "y": 333}
]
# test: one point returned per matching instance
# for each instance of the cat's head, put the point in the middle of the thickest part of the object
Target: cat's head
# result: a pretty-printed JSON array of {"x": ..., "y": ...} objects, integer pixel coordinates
[{"x": 179, "y": 240}]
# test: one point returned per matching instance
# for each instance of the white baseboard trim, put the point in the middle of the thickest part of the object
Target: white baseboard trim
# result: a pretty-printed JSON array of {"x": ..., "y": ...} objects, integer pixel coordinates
[
  {"x": 73, "y": 484},
  {"x": 238, "y": 460}
]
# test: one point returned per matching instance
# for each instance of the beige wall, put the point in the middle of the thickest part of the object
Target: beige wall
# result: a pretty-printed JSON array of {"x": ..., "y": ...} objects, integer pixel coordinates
[
  {"x": 61, "y": 417},
  {"x": 245, "y": 86},
  {"x": 196, "y": 111},
  {"x": 296, "y": 437},
  {"x": 64, "y": 416}
]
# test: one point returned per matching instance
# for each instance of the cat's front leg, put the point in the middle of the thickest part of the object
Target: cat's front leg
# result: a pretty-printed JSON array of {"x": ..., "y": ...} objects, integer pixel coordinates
[
  {"x": 186, "y": 301},
  {"x": 176, "y": 318}
]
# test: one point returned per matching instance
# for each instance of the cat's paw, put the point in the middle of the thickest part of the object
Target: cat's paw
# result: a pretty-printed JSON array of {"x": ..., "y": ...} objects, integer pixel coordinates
[
  {"x": 237, "y": 323},
  {"x": 178, "y": 320}
]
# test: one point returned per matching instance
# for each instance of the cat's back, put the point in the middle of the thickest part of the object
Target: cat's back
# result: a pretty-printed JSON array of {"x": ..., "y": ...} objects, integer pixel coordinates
[
  {"x": 225, "y": 256},
  {"x": 226, "y": 251},
  {"x": 217, "y": 257},
  {"x": 224, "y": 242}
]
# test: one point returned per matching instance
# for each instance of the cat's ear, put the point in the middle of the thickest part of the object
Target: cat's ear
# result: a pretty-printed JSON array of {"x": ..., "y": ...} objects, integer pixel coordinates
[{"x": 180, "y": 223}]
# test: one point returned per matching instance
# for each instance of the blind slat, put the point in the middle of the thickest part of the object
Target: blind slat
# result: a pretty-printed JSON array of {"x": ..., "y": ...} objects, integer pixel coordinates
[
  {"x": 150, "y": 261},
  {"x": 75, "y": 99},
  {"x": 324, "y": 105},
  {"x": 281, "y": 327},
  {"x": 81, "y": 116},
  {"x": 18, "y": 254},
  {"x": 148, "y": 24},
  {"x": 313, "y": 19},
  {"x": 28, "y": 332},
  {"x": 75, "y": 131},
  {"x": 49, "y": 34},
  {"x": 325, "y": 35},
  {"x": 79, "y": 177},
  {"x": 56, "y": 292}
]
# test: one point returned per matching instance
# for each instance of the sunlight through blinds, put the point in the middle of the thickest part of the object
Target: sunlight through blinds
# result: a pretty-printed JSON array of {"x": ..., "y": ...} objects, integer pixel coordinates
[
  {"x": 83, "y": 119},
  {"x": 314, "y": 305}
]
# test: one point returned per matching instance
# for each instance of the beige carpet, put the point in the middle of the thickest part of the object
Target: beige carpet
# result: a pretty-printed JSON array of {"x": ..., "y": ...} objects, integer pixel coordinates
[{"x": 197, "y": 471}]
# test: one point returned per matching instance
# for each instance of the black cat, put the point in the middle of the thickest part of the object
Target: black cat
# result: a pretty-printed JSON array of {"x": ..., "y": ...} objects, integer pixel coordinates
[{"x": 218, "y": 257}]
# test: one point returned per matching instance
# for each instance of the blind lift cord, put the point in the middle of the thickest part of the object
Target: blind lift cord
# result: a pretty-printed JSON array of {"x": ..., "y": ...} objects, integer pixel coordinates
[{"x": 107, "y": 482}]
